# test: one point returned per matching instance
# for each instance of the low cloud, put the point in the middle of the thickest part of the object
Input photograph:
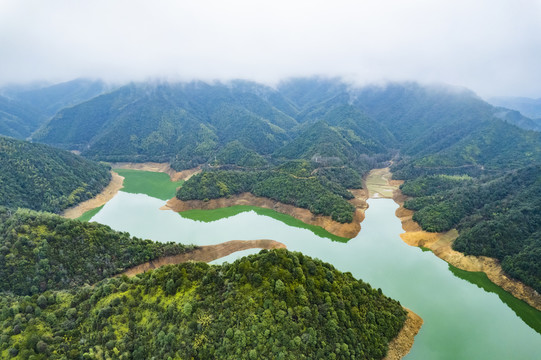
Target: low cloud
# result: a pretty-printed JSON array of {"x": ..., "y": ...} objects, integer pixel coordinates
[{"x": 493, "y": 48}]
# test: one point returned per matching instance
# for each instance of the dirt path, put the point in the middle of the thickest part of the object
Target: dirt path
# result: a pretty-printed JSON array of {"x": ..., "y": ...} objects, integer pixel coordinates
[
  {"x": 158, "y": 167},
  {"x": 206, "y": 254},
  {"x": 401, "y": 345},
  {"x": 441, "y": 245},
  {"x": 107, "y": 194},
  {"x": 348, "y": 230}
]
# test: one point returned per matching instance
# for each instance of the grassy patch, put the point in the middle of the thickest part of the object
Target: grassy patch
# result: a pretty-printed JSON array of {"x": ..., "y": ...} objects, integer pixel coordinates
[
  {"x": 154, "y": 184},
  {"x": 528, "y": 314},
  {"x": 89, "y": 214},
  {"x": 222, "y": 213}
]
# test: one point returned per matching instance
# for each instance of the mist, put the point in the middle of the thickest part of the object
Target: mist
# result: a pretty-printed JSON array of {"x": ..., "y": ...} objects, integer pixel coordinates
[{"x": 490, "y": 47}]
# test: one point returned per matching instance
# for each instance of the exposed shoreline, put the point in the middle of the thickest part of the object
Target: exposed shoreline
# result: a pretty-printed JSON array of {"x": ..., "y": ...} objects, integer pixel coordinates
[
  {"x": 441, "y": 245},
  {"x": 158, "y": 167},
  {"x": 205, "y": 253},
  {"x": 401, "y": 345},
  {"x": 347, "y": 230},
  {"x": 103, "y": 197}
]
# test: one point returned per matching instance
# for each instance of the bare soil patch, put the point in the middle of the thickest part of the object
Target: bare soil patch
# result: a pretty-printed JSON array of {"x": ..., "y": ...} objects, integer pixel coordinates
[
  {"x": 401, "y": 345},
  {"x": 107, "y": 194},
  {"x": 206, "y": 254}
]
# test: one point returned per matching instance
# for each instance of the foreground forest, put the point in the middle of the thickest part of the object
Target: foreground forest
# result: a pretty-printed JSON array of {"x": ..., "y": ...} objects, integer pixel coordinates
[{"x": 276, "y": 304}]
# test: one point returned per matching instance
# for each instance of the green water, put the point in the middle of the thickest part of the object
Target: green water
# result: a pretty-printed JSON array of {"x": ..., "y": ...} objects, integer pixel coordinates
[
  {"x": 224, "y": 213},
  {"x": 89, "y": 214},
  {"x": 465, "y": 315},
  {"x": 154, "y": 184}
]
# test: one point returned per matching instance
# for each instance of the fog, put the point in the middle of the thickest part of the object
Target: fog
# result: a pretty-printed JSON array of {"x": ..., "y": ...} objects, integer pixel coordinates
[{"x": 491, "y": 47}]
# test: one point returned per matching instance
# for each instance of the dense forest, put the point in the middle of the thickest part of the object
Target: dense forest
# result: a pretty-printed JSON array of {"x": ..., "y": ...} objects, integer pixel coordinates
[
  {"x": 274, "y": 305},
  {"x": 41, "y": 251},
  {"x": 497, "y": 216},
  {"x": 40, "y": 177},
  {"x": 292, "y": 183}
]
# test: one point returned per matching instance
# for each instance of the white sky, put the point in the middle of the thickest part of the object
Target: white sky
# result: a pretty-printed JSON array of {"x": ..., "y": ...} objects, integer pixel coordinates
[{"x": 490, "y": 46}]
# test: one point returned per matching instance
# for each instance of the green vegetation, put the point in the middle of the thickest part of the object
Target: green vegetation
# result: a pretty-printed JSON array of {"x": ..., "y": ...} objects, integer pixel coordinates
[
  {"x": 154, "y": 184},
  {"x": 40, "y": 177},
  {"x": 276, "y": 304},
  {"x": 41, "y": 251},
  {"x": 222, "y": 213},
  {"x": 307, "y": 193},
  {"x": 497, "y": 216},
  {"x": 89, "y": 214}
]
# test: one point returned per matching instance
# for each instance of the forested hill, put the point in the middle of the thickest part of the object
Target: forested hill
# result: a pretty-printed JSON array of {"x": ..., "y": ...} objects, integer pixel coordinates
[
  {"x": 497, "y": 216},
  {"x": 276, "y": 304},
  {"x": 41, "y": 251},
  {"x": 184, "y": 124},
  {"x": 40, "y": 177},
  {"x": 24, "y": 109},
  {"x": 437, "y": 128},
  {"x": 18, "y": 120}
]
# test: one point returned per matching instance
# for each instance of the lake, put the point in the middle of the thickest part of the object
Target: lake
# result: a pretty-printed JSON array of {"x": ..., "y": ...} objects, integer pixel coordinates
[{"x": 465, "y": 316}]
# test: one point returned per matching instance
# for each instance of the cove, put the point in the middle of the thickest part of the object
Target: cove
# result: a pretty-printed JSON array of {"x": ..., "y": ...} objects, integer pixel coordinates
[{"x": 462, "y": 320}]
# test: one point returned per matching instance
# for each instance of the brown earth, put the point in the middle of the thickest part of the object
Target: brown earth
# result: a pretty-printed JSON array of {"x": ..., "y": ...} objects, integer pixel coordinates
[
  {"x": 107, "y": 194},
  {"x": 401, "y": 345},
  {"x": 206, "y": 254},
  {"x": 441, "y": 245},
  {"x": 347, "y": 230},
  {"x": 158, "y": 167}
]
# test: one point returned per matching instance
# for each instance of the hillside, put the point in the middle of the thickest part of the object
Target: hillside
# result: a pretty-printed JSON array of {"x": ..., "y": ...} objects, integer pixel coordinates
[
  {"x": 276, "y": 304},
  {"x": 48, "y": 100},
  {"x": 184, "y": 124},
  {"x": 40, "y": 177},
  {"x": 41, "y": 251},
  {"x": 18, "y": 120},
  {"x": 527, "y": 106},
  {"x": 497, "y": 216}
]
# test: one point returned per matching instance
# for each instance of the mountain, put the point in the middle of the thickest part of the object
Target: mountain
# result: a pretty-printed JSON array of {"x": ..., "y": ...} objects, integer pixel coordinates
[
  {"x": 48, "y": 100},
  {"x": 276, "y": 304},
  {"x": 527, "y": 106},
  {"x": 185, "y": 124},
  {"x": 40, "y": 177},
  {"x": 18, "y": 120}
]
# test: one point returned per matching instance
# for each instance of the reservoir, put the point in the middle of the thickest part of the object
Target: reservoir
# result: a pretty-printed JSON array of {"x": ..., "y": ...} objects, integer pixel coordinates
[{"x": 465, "y": 316}]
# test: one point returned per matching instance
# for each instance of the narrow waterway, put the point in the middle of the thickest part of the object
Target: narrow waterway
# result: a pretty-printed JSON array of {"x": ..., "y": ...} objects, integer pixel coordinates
[{"x": 461, "y": 319}]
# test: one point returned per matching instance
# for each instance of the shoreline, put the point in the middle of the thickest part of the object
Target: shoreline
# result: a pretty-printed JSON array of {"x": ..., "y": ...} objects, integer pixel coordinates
[
  {"x": 204, "y": 253},
  {"x": 347, "y": 230},
  {"x": 441, "y": 245},
  {"x": 158, "y": 167},
  {"x": 401, "y": 345},
  {"x": 100, "y": 199}
]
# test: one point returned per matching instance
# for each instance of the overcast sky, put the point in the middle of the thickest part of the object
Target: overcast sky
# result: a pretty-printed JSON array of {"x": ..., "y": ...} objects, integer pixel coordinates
[{"x": 490, "y": 46}]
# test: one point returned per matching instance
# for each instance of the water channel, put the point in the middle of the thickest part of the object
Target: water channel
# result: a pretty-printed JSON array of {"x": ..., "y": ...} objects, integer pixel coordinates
[{"x": 465, "y": 316}]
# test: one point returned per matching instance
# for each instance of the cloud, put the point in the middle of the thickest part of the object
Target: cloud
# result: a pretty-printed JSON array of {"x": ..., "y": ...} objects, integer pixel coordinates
[{"x": 492, "y": 47}]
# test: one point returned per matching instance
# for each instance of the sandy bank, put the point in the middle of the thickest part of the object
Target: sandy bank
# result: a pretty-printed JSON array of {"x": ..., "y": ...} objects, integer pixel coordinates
[
  {"x": 348, "y": 230},
  {"x": 107, "y": 194},
  {"x": 401, "y": 345},
  {"x": 441, "y": 246},
  {"x": 206, "y": 254},
  {"x": 158, "y": 167}
]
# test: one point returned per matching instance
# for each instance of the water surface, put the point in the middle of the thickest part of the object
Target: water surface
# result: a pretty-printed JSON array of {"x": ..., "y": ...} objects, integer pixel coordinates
[{"x": 462, "y": 320}]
